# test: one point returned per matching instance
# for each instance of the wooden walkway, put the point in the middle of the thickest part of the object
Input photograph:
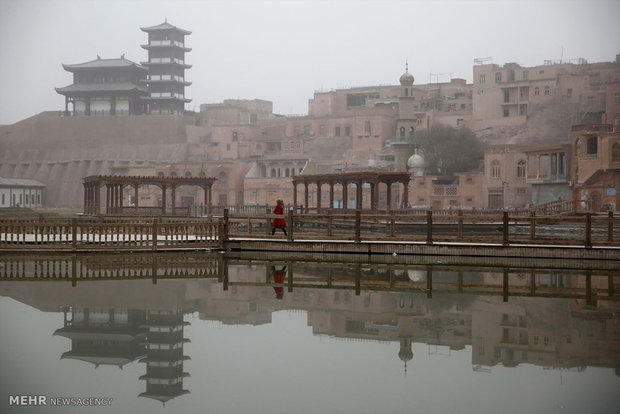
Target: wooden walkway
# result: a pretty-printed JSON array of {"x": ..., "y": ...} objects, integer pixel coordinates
[{"x": 445, "y": 232}]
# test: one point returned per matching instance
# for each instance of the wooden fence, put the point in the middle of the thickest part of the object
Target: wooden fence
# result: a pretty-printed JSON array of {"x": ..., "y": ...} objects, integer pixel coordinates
[
  {"x": 505, "y": 228},
  {"x": 110, "y": 233}
]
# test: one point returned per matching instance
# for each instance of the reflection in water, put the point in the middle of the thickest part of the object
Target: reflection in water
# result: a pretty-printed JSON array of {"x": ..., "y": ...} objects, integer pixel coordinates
[{"x": 558, "y": 319}]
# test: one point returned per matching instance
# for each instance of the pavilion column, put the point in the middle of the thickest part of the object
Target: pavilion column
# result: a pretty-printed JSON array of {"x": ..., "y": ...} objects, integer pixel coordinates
[
  {"x": 318, "y": 195},
  {"x": 389, "y": 196},
  {"x": 294, "y": 195},
  {"x": 210, "y": 193},
  {"x": 174, "y": 208},
  {"x": 358, "y": 195},
  {"x": 306, "y": 197},
  {"x": 206, "y": 197},
  {"x": 163, "y": 199},
  {"x": 120, "y": 198},
  {"x": 135, "y": 196},
  {"x": 345, "y": 194},
  {"x": 85, "y": 198},
  {"x": 331, "y": 194},
  {"x": 405, "y": 194},
  {"x": 107, "y": 198},
  {"x": 373, "y": 196},
  {"x": 97, "y": 198}
]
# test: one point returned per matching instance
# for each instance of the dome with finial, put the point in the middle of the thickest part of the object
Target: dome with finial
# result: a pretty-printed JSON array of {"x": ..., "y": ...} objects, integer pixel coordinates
[
  {"x": 406, "y": 78},
  {"x": 416, "y": 164}
]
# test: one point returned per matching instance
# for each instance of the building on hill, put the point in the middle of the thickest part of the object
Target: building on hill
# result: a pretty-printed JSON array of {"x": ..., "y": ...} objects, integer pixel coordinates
[
  {"x": 506, "y": 95},
  {"x": 166, "y": 69},
  {"x": 595, "y": 165},
  {"x": 105, "y": 87}
]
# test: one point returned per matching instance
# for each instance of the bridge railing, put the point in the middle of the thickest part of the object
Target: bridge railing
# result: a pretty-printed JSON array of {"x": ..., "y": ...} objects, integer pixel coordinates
[
  {"x": 109, "y": 233},
  {"x": 505, "y": 228}
]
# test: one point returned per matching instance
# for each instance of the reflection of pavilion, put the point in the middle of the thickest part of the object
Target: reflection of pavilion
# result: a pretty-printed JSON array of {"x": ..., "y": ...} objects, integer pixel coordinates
[
  {"x": 164, "y": 355},
  {"x": 103, "y": 337}
]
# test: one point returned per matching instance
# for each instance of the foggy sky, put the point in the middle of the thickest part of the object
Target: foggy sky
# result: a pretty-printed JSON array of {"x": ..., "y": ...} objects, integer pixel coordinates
[{"x": 283, "y": 51}]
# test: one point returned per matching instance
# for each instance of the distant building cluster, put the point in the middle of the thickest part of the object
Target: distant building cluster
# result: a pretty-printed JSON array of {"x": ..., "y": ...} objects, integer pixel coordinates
[{"x": 254, "y": 153}]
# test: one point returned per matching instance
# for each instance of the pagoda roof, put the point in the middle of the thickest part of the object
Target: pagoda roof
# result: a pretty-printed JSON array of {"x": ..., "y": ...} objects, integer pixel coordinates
[
  {"x": 101, "y": 87},
  {"x": 165, "y": 26},
  {"x": 104, "y": 63},
  {"x": 97, "y": 360}
]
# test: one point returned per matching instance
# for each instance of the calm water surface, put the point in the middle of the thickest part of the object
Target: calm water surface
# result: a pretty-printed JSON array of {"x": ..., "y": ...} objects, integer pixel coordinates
[{"x": 236, "y": 336}]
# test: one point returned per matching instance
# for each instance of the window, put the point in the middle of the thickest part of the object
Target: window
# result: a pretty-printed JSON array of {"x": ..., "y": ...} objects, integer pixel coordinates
[
  {"x": 480, "y": 91},
  {"x": 173, "y": 174},
  {"x": 617, "y": 98},
  {"x": 498, "y": 77},
  {"x": 592, "y": 145},
  {"x": 495, "y": 170},
  {"x": 337, "y": 133},
  {"x": 188, "y": 174},
  {"x": 483, "y": 78},
  {"x": 569, "y": 92},
  {"x": 590, "y": 100},
  {"x": 547, "y": 91},
  {"x": 347, "y": 131},
  {"x": 521, "y": 191},
  {"x": 402, "y": 132},
  {"x": 506, "y": 96},
  {"x": 526, "y": 74},
  {"x": 521, "y": 169},
  {"x": 227, "y": 147},
  {"x": 367, "y": 127},
  {"x": 222, "y": 178},
  {"x": 615, "y": 153},
  {"x": 506, "y": 112},
  {"x": 235, "y": 136},
  {"x": 536, "y": 91}
]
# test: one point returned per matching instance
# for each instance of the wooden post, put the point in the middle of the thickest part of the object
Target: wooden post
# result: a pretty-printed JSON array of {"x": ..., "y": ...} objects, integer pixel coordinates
[
  {"x": 290, "y": 226},
  {"x": 532, "y": 282},
  {"x": 74, "y": 234},
  {"x": 610, "y": 227},
  {"x": 429, "y": 282},
  {"x": 460, "y": 281},
  {"x": 358, "y": 279},
  {"x": 358, "y": 225},
  {"x": 532, "y": 225},
  {"x": 392, "y": 226},
  {"x": 460, "y": 225},
  {"x": 505, "y": 241},
  {"x": 73, "y": 271},
  {"x": 588, "y": 243},
  {"x": 289, "y": 286},
  {"x": 329, "y": 223},
  {"x": 429, "y": 227},
  {"x": 225, "y": 226},
  {"x": 154, "y": 235},
  {"x": 505, "y": 285},
  {"x": 610, "y": 285},
  {"x": 588, "y": 287}
]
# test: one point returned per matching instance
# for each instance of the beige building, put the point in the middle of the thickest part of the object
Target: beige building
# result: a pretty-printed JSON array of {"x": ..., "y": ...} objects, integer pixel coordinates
[{"x": 506, "y": 95}]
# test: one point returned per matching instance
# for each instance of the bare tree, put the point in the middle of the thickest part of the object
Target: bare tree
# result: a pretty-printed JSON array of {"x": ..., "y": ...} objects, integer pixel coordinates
[{"x": 447, "y": 150}]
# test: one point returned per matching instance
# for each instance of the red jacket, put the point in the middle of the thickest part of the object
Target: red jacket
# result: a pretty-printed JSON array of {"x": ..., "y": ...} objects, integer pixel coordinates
[{"x": 279, "y": 222}]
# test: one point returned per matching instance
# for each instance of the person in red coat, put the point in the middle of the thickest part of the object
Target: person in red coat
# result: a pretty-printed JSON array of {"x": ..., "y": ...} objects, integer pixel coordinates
[
  {"x": 278, "y": 277},
  {"x": 279, "y": 223}
]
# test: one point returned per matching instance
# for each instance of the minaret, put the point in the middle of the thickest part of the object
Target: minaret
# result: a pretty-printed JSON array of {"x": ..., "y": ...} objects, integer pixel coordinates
[
  {"x": 407, "y": 120},
  {"x": 166, "y": 69}
]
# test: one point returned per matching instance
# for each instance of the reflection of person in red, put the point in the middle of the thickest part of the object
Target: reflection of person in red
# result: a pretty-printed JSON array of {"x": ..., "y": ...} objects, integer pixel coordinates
[
  {"x": 279, "y": 223},
  {"x": 278, "y": 277}
]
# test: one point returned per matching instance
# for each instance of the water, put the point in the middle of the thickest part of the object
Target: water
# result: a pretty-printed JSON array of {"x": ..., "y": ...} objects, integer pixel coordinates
[{"x": 285, "y": 335}]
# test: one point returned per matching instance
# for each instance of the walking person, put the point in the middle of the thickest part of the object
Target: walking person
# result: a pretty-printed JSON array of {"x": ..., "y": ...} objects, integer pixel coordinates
[{"x": 279, "y": 222}]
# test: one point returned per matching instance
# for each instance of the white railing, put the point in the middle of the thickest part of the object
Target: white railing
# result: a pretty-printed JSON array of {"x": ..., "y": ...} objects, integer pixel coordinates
[
  {"x": 166, "y": 43},
  {"x": 166, "y": 60},
  {"x": 166, "y": 77}
]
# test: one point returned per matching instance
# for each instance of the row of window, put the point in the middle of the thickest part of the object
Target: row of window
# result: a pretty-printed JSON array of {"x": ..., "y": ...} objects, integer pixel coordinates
[
  {"x": 496, "y": 171},
  {"x": 23, "y": 199}
]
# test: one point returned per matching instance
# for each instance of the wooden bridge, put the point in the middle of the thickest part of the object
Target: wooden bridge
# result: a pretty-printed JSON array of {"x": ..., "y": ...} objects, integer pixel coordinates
[
  {"x": 419, "y": 232},
  {"x": 345, "y": 273}
]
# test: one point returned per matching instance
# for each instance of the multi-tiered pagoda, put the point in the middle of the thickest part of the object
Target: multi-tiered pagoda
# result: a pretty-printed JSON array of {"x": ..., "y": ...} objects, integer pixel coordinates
[
  {"x": 166, "y": 69},
  {"x": 105, "y": 87}
]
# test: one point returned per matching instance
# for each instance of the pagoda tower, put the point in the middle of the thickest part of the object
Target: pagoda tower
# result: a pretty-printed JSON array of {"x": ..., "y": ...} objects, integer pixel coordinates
[
  {"x": 166, "y": 69},
  {"x": 164, "y": 355}
]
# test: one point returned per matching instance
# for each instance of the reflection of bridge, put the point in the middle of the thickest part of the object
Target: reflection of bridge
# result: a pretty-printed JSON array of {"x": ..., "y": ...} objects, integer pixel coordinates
[{"x": 408, "y": 274}]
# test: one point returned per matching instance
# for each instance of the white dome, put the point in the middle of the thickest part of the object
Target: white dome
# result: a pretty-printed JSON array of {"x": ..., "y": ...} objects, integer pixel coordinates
[{"x": 416, "y": 161}]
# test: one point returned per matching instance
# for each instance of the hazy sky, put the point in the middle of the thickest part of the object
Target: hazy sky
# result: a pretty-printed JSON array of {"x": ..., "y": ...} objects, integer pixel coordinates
[{"x": 283, "y": 51}]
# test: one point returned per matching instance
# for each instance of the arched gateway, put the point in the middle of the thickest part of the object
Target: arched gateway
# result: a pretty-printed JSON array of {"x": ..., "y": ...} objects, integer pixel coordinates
[
  {"x": 114, "y": 191},
  {"x": 359, "y": 178}
]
